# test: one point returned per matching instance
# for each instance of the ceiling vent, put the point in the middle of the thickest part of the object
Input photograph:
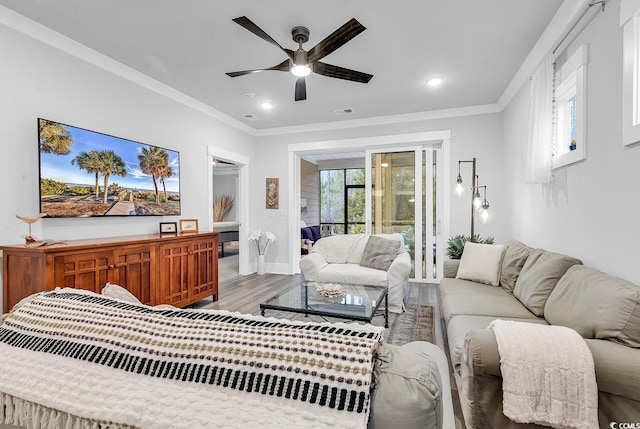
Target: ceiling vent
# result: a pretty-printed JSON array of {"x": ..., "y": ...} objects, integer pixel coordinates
[
  {"x": 250, "y": 117},
  {"x": 346, "y": 111}
]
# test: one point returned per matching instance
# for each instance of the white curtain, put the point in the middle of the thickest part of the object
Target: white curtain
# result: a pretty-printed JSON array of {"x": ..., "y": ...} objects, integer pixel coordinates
[{"x": 540, "y": 139}]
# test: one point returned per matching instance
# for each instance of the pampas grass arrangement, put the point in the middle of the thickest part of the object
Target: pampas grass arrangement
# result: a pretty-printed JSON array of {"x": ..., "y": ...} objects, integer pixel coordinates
[{"x": 222, "y": 205}]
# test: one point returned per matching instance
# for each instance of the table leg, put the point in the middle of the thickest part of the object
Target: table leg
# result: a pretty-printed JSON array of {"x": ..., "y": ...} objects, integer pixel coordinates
[{"x": 262, "y": 312}]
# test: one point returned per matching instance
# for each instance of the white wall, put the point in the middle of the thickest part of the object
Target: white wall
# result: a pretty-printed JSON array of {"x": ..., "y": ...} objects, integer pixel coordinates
[
  {"x": 590, "y": 211},
  {"x": 477, "y": 136},
  {"x": 38, "y": 80}
]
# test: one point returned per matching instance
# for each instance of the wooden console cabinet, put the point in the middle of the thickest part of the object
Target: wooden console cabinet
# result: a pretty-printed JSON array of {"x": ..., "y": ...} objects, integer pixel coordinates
[{"x": 175, "y": 269}]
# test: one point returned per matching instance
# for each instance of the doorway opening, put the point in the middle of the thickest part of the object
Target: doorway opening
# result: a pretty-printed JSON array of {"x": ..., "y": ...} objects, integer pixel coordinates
[
  {"x": 226, "y": 178},
  {"x": 406, "y": 176},
  {"x": 229, "y": 211}
]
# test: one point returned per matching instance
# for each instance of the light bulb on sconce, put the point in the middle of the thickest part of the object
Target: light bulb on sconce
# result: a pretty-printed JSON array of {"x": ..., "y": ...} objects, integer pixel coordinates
[
  {"x": 460, "y": 191},
  {"x": 485, "y": 215},
  {"x": 477, "y": 200}
]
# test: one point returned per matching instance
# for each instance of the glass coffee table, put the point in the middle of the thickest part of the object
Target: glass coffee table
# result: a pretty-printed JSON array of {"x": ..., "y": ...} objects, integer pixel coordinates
[{"x": 359, "y": 302}]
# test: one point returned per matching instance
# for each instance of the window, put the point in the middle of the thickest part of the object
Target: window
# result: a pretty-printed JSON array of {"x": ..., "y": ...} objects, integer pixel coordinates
[
  {"x": 342, "y": 201},
  {"x": 567, "y": 120},
  {"x": 571, "y": 106},
  {"x": 630, "y": 21}
]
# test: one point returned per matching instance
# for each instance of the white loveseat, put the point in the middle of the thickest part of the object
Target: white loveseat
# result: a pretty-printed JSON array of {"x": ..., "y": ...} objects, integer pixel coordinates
[{"x": 338, "y": 259}]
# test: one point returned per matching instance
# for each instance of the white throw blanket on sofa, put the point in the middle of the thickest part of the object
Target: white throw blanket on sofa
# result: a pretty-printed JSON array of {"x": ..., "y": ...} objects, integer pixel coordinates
[{"x": 548, "y": 375}]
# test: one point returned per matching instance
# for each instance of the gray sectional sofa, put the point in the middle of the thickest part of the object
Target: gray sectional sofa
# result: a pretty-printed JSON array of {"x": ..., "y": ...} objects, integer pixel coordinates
[{"x": 537, "y": 286}]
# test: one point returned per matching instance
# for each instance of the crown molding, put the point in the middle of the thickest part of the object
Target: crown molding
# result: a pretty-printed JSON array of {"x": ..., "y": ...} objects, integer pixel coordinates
[
  {"x": 383, "y": 120},
  {"x": 63, "y": 43}
]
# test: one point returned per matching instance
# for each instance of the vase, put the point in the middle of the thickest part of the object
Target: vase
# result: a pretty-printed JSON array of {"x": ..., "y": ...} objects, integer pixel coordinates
[{"x": 261, "y": 264}]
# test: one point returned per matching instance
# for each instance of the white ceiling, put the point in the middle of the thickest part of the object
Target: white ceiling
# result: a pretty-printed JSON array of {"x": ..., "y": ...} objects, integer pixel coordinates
[{"x": 475, "y": 46}]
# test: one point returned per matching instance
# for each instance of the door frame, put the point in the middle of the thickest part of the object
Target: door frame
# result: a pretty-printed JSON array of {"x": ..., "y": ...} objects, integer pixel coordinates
[
  {"x": 392, "y": 142},
  {"x": 242, "y": 199}
]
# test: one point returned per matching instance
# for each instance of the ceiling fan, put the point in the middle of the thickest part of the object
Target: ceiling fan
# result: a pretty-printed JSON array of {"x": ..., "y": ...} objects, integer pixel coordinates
[{"x": 301, "y": 63}]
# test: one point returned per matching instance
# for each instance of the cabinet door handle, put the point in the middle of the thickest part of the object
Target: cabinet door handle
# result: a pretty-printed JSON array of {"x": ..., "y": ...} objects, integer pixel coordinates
[{"x": 111, "y": 267}]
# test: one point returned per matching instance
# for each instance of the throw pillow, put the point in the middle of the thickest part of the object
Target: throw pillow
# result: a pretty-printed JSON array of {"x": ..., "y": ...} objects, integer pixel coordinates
[
  {"x": 408, "y": 393},
  {"x": 315, "y": 232},
  {"x": 114, "y": 291},
  {"x": 379, "y": 253},
  {"x": 515, "y": 256},
  {"x": 596, "y": 305},
  {"x": 481, "y": 263},
  {"x": 306, "y": 234},
  {"x": 539, "y": 276}
]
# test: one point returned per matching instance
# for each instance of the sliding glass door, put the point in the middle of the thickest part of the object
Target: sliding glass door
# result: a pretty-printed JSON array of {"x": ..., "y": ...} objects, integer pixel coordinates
[{"x": 404, "y": 196}]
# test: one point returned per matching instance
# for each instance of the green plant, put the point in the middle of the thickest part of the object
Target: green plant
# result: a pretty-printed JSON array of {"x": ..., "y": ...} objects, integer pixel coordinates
[{"x": 455, "y": 245}]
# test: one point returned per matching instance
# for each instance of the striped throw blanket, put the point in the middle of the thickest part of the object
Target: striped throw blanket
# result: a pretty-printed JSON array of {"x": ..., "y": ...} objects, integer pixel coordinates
[{"x": 122, "y": 364}]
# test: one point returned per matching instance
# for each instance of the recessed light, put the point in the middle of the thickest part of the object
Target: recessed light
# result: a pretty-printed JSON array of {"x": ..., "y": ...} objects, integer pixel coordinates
[
  {"x": 266, "y": 105},
  {"x": 434, "y": 81}
]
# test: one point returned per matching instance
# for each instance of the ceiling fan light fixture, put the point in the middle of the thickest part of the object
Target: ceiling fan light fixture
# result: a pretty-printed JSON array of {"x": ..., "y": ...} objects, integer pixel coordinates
[
  {"x": 300, "y": 66},
  {"x": 301, "y": 71}
]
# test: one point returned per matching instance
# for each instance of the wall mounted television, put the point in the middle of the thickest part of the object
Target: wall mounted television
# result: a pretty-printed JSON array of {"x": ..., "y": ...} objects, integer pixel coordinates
[{"x": 85, "y": 173}]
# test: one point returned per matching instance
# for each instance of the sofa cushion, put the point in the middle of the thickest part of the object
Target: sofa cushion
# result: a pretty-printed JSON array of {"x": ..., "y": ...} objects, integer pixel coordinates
[
  {"x": 449, "y": 286},
  {"x": 479, "y": 305},
  {"x": 337, "y": 249},
  {"x": 596, "y": 305},
  {"x": 352, "y": 273},
  {"x": 408, "y": 392},
  {"x": 515, "y": 256},
  {"x": 379, "y": 253},
  {"x": 481, "y": 263},
  {"x": 539, "y": 276}
]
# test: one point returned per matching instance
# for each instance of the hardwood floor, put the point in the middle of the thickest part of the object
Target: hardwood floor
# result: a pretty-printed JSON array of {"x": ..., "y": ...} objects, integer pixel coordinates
[{"x": 245, "y": 293}]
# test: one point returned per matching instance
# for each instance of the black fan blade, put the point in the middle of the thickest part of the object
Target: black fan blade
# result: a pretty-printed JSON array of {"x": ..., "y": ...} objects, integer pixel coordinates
[
  {"x": 340, "y": 72},
  {"x": 283, "y": 66},
  {"x": 335, "y": 40},
  {"x": 251, "y": 26},
  {"x": 301, "y": 89}
]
